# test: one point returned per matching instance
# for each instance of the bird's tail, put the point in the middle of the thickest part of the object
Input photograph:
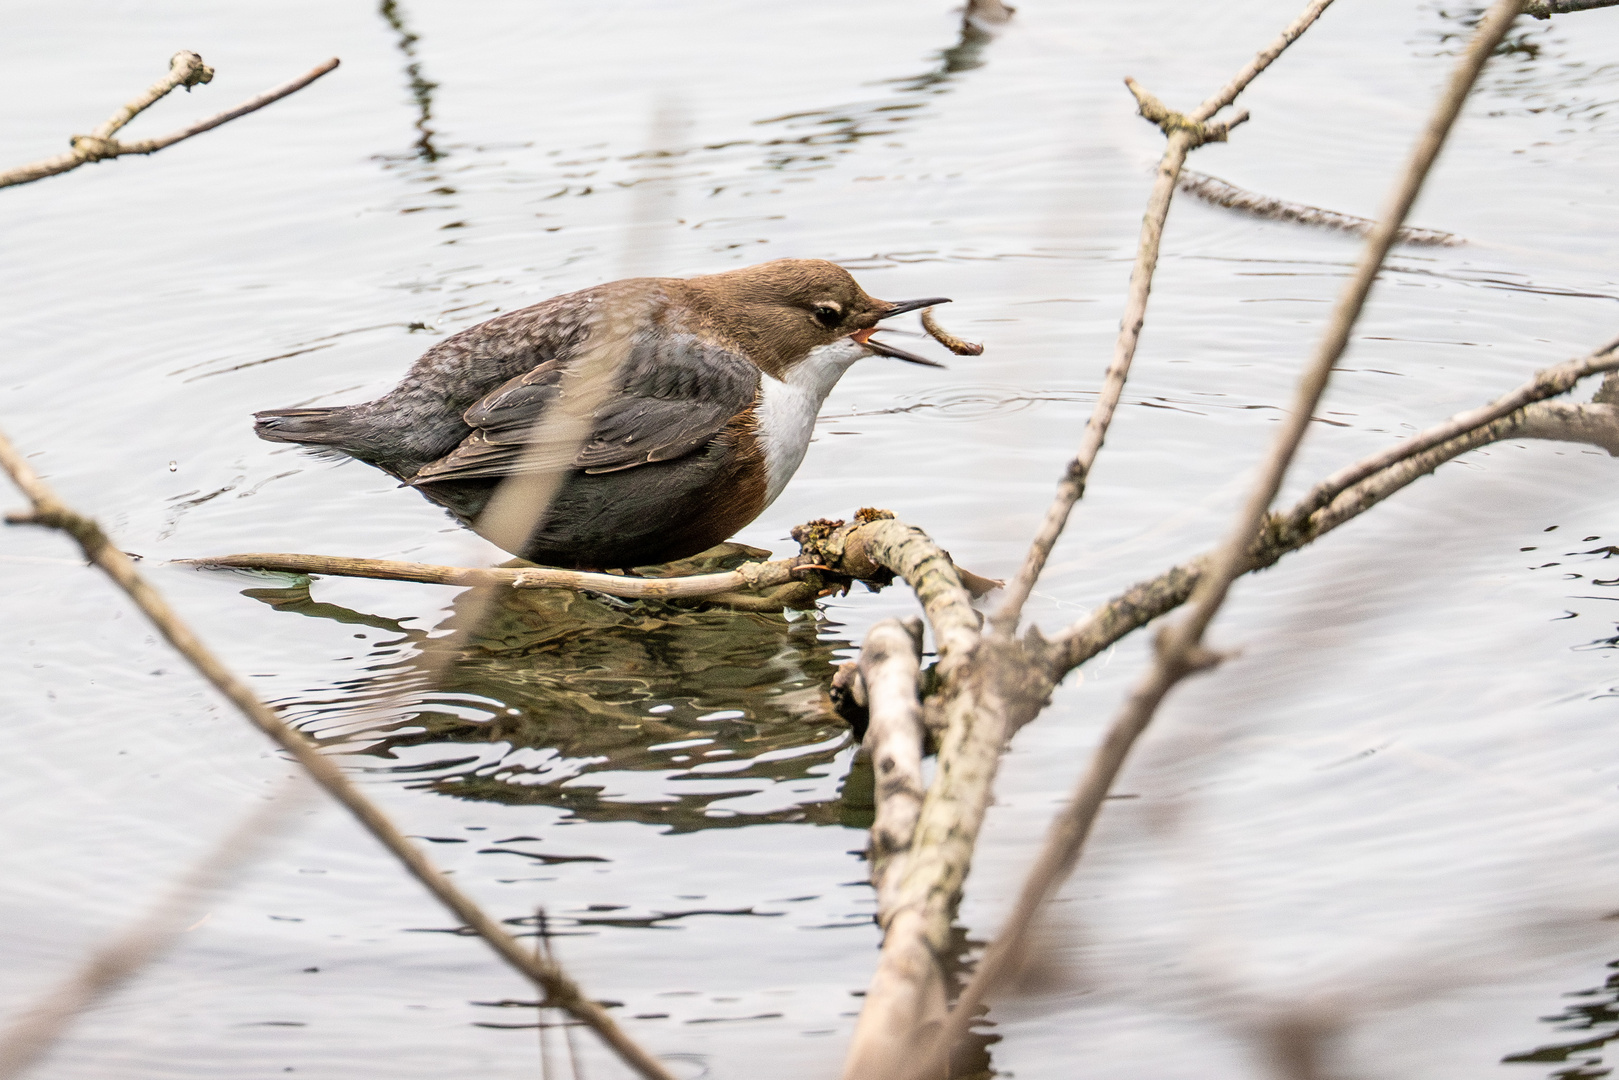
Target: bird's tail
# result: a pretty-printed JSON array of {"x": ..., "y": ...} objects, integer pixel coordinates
[{"x": 331, "y": 426}]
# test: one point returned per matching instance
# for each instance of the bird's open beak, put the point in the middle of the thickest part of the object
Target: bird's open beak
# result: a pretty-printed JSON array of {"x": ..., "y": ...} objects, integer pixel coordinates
[
  {"x": 911, "y": 305},
  {"x": 884, "y": 349}
]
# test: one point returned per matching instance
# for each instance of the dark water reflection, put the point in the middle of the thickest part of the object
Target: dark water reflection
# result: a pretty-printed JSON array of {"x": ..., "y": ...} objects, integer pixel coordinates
[
  {"x": 614, "y": 710},
  {"x": 421, "y": 87},
  {"x": 1594, "y": 1015}
]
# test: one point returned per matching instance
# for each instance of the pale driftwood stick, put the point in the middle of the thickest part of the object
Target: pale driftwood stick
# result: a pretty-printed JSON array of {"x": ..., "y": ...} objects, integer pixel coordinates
[
  {"x": 1184, "y": 133},
  {"x": 908, "y": 988},
  {"x": 1221, "y": 193},
  {"x": 749, "y": 575},
  {"x": 51, "y": 512},
  {"x": 32, "y": 1034},
  {"x": 889, "y": 675},
  {"x": 186, "y": 69},
  {"x": 1180, "y": 651},
  {"x": 1546, "y": 384},
  {"x": 1545, "y": 9},
  {"x": 890, "y": 672}
]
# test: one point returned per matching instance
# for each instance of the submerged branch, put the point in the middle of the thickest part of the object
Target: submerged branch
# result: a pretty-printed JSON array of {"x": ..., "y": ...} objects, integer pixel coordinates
[
  {"x": 186, "y": 69},
  {"x": 1212, "y": 189}
]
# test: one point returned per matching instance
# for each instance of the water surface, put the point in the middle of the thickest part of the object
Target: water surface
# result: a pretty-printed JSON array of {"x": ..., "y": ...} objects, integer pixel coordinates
[{"x": 1400, "y": 795}]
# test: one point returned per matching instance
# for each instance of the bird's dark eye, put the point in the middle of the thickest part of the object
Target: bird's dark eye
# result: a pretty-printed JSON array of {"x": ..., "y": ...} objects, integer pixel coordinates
[{"x": 828, "y": 315}]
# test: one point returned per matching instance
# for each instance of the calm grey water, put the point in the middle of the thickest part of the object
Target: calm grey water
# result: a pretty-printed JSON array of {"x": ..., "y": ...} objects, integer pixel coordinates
[{"x": 1400, "y": 801}]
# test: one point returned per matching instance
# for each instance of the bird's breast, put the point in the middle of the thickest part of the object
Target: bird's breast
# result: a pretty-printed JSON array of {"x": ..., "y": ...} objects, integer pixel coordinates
[{"x": 786, "y": 409}]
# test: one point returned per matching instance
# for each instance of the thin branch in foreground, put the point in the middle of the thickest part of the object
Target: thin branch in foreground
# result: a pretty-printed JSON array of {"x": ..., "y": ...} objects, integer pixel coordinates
[
  {"x": 32, "y": 1034},
  {"x": 185, "y": 69},
  {"x": 51, "y": 512},
  {"x": 1212, "y": 189},
  {"x": 1184, "y": 133},
  {"x": 1546, "y": 384},
  {"x": 1180, "y": 651}
]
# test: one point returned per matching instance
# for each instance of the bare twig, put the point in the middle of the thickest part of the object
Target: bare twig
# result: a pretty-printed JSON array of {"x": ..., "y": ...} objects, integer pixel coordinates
[
  {"x": 186, "y": 69},
  {"x": 28, "y": 1038},
  {"x": 1180, "y": 650},
  {"x": 1596, "y": 424},
  {"x": 1184, "y": 133},
  {"x": 50, "y": 511},
  {"x": 1546, "y": 384},
  {"x": 1214, "y": 190}
]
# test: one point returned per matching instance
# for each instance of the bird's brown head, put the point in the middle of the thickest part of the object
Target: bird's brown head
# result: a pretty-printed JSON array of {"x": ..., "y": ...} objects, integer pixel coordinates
[{"x": 782, "y": 310}]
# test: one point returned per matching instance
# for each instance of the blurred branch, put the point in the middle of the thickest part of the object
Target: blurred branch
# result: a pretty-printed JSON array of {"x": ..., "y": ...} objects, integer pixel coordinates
[
  {"x": 1180, "y": 651},
  {"x": 1545, "y": 9},
  {"x": 185, "y": 69},
  {"x": 31, "y": 1035},
  {"x": 562, "y": 991},
  {"x": 1184, "y": 134},
  {"x": 1212, "y": 189}
]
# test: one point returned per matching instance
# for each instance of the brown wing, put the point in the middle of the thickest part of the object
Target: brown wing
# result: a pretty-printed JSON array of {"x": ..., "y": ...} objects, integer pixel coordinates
[{"x": 674, "y": 394}]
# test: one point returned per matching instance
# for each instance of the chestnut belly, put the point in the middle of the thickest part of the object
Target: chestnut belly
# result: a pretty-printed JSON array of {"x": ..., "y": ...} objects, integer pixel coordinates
[{"x": 641, "y": 516}]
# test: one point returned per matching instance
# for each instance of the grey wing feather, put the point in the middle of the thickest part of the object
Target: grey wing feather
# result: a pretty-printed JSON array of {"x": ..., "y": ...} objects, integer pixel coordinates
[{"x": 677, "y": 393}]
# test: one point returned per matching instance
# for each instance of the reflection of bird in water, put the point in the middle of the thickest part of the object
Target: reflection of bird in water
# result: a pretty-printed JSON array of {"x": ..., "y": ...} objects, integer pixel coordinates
[
  {"x": 626, "y": 711},
  {"x": 709, "y": 412}
]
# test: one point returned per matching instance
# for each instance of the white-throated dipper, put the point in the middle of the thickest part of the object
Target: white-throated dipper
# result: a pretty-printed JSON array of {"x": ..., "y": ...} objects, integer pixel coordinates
[{"x": 719, "y": 379}]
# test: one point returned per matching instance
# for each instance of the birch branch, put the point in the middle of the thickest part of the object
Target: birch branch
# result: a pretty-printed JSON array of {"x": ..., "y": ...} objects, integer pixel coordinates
[
  {"x": 1184, "y": 133},
  {"x": 562, "y": 991},
  {"x": 1180, "y": 651},
  {"x": 185, "y": 69},
  {"x": 890, "y": 671}
]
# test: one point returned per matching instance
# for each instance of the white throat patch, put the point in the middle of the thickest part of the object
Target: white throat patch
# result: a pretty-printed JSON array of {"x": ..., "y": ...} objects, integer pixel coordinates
[{"x": 787, "y": 408}]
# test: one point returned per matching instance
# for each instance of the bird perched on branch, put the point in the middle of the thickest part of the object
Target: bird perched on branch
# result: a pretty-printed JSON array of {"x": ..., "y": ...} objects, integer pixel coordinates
[{"x": 666, "y": 412}]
